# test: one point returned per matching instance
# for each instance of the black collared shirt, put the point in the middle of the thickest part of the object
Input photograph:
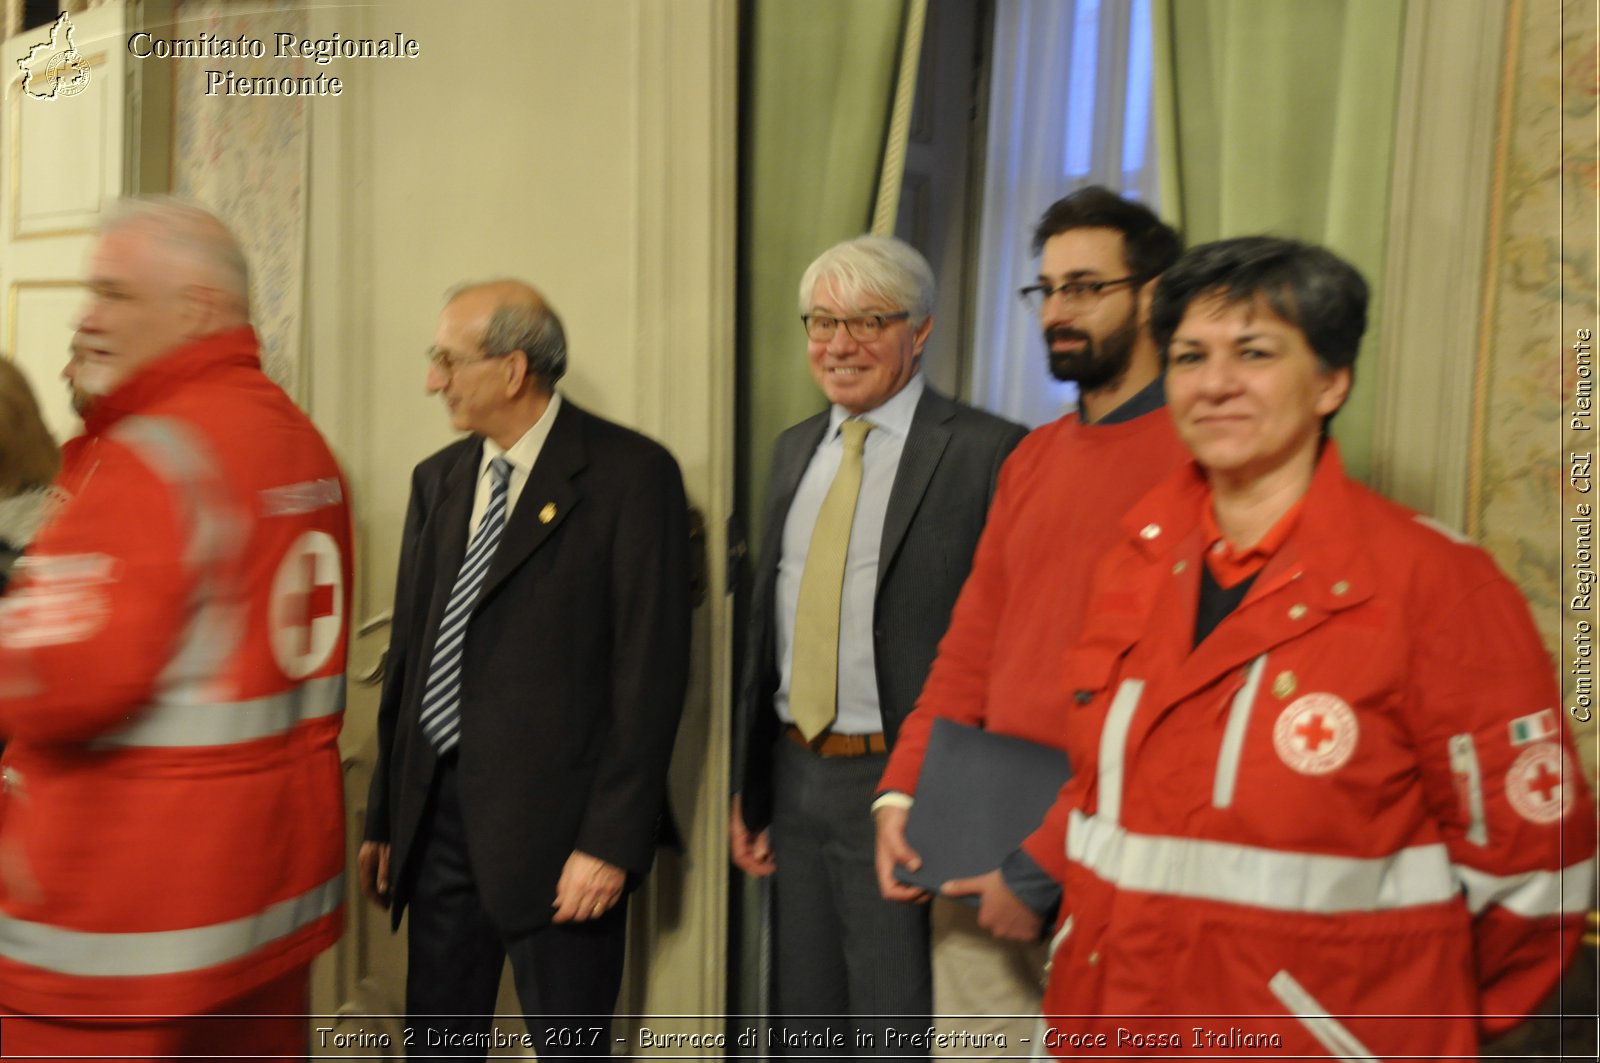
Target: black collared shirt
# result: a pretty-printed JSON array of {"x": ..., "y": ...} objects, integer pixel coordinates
[{"x": 1147, "y": 399}]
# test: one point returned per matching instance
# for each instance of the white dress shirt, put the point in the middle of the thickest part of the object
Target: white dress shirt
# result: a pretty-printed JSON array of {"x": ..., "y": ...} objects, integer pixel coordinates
[{"x": 523, "y": 453}]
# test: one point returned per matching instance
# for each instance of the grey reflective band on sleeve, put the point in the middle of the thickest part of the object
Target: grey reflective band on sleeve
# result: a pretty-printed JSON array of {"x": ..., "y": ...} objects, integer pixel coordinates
[
  {"x": 163, "y": 952},
  {"x": 1531, "y": 894},
  {"x": 174, "y": 726},
  {"x": 179, "y": 455},
  {"x": 1314, "y": 883},
  {"x": 216, "y": 531}
]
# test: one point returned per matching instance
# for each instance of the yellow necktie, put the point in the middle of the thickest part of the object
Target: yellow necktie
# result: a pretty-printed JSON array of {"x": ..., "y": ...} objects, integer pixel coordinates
[{"x": 814, "y": 671}]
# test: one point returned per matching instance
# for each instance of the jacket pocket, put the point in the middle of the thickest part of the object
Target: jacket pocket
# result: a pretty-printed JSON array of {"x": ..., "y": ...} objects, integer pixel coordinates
[{"x": 1329, "y": 1032}]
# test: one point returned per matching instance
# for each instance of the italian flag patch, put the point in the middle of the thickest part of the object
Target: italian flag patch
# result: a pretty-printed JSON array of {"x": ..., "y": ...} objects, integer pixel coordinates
[{"x": 1535, "y": 727}]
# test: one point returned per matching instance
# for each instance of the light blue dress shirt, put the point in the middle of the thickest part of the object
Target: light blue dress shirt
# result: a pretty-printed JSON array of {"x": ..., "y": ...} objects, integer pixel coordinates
[{"x": 858, "y": 677}]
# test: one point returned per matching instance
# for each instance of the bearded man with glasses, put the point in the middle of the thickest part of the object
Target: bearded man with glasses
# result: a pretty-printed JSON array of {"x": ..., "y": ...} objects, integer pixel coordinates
[
  {"x": 873, "y": 510},
  {"x": 1056, "y": 511}
]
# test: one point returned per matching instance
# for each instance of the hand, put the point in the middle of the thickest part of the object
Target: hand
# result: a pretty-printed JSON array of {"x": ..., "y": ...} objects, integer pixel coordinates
[
  {"x": 999, "y": 911},
  {"x": 892, "y": 851},
  {"x": 588, "y": 889},
  {"x": 372, "y": 868},
  {"x": 752, "y": 853}
]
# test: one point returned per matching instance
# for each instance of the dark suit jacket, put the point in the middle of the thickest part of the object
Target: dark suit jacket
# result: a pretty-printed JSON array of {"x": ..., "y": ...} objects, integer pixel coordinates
[
  {"x": 574, "y": 668},
  {"x": 947, "y": 474}
]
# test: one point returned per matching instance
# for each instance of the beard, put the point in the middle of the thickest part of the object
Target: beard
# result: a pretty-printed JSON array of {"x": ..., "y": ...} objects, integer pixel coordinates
[
  {"x": 93, "y": 376},
  {"x": 81, "y": 401},
  {"x": 1098, "y": 362}
]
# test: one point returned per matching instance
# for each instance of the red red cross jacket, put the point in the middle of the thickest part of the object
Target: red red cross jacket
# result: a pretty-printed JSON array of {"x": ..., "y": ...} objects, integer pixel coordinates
[
  {"x": 171, "y": 689},
  {"x": 1346, "y": 823}
]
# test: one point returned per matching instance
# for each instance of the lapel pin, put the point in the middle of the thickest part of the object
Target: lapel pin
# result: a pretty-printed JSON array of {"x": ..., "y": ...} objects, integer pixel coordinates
[{"x": 548, "y": 513}]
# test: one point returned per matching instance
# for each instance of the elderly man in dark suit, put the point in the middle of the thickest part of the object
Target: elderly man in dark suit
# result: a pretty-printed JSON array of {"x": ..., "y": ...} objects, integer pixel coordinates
[
  {"x": 536, "y": 674},
  {"x": 874, "y": 509}
]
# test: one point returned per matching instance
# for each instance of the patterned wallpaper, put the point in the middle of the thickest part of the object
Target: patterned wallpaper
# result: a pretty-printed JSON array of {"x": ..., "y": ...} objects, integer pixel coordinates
[
  {"x": 1541, "y": 289},
  {"x": 245, "y": 158}
]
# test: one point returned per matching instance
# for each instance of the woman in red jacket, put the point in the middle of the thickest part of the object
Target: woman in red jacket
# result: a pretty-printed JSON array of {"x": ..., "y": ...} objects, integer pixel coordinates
[{"x": 1325, "y": 801}]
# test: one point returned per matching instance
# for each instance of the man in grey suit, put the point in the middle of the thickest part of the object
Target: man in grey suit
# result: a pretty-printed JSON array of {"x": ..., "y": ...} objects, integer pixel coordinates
[{"x": 873, "y": 512}]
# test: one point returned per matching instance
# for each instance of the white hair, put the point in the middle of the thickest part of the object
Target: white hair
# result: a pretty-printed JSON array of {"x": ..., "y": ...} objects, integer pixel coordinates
[
  {"x": 192, "y": 232},
  {"x": 880, "y": 266}
]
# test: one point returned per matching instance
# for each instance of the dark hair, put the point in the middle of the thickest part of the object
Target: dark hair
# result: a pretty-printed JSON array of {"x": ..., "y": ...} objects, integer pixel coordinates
[
  {"x": 28, "y": 455},
  {"x": 1149, "y": 245},
  {"x": 1308, "y": 286}
]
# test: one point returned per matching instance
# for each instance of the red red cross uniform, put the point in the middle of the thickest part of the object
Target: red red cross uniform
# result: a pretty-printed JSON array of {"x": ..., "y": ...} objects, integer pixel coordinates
[
  {"x": 171, "y": 690},
  {"x": 1327, "y": 829}
]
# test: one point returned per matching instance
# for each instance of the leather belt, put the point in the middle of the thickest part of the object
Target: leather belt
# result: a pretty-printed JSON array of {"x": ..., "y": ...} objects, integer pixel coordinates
[{"x": 832, "y": 745}]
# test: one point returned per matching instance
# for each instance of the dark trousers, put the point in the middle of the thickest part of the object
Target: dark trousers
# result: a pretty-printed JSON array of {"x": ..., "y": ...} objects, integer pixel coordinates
[
  {"x": 848, "y": 964},
  {"x": 567, "y": 975}
]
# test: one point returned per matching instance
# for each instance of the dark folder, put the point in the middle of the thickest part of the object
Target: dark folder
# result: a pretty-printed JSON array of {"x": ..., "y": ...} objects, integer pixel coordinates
[{"x": 979, "y": 795}]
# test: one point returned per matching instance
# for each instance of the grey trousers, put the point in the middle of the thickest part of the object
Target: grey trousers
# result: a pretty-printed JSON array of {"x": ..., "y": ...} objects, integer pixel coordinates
[{"x": 856, "y": 964}]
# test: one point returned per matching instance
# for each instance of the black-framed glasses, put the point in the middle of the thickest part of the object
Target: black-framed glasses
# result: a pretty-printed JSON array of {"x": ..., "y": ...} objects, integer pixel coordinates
[
  {"x": 1077, "y": 292},
  {"x": 863, "y": 328}
]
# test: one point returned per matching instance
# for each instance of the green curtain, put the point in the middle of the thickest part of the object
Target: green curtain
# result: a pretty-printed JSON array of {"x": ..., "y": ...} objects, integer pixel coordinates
[
  {"x": 820, "y": 78},
  {"x": 1275, "y": 117}
]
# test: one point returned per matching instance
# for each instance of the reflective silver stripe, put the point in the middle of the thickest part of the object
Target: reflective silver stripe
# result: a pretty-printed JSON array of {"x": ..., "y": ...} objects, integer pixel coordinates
[
  {"x": 217, "y": 532},
  {"x": 1114, "y": 747},
  {"x": 159, "y": 952},
  {"x": 1531, "y": 894},
  {"x": 1260, "y": 878},
  {"x": 1233, "y": 736},
  {"x": 1329, "y": 1031},
  {"x": 180, "y": 456},
  {"x": 181, "y": 726},
  {"x": 1464, "y": 765}
]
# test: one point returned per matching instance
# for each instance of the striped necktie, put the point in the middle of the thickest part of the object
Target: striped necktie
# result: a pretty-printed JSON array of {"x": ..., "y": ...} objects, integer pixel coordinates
[
  {"x": 441, "y": 699},
  {"x": 814, "y": 666}
]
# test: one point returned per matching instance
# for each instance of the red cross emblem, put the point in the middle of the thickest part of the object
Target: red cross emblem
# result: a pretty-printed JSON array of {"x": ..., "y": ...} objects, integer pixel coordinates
[
  {"x": 1316, "y": 734},
  {"x": 1313, "y": 733},
  {"x": 1535, "y": 786},
  {"x": 306, "y": 614},
  {"x": 311, "y": 606}
]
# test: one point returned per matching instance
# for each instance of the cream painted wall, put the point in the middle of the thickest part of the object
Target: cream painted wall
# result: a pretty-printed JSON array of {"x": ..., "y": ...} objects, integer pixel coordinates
[{"x": 586, "y": 148}]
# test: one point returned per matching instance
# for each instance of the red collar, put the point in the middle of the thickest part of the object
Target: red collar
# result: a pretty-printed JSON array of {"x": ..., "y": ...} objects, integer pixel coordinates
[
  {"x": 236, "y": 347},
  {"x": 1229, "y": 565},
  {"x": 1329, "y": 541}
]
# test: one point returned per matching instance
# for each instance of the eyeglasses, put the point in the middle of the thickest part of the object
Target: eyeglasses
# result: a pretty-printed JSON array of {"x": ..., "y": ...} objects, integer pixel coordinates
[
  {"x": 863, "y": 328},
  {"x": 448, "y": 363},
  {"x": 1078, "y": 292}
]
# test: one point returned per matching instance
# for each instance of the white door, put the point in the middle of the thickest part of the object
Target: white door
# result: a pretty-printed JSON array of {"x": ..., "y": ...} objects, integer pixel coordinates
[
  {"x": 588, "y": 148},
  {"x": 79, "y": 128}
]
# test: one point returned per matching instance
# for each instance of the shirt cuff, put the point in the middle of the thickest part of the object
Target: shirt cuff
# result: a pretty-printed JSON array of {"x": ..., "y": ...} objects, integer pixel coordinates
[
  {"x": 892, "y": 799},
  {"x": 1031, "y": 883}
]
